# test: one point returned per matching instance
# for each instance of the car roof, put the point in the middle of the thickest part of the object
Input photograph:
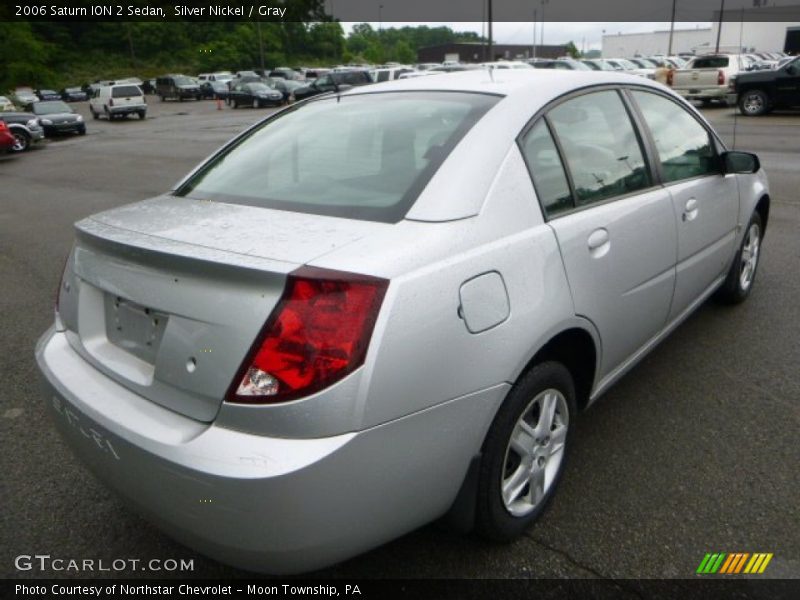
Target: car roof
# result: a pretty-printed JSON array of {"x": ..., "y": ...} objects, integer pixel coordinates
[{"x": 537, "y": 85}]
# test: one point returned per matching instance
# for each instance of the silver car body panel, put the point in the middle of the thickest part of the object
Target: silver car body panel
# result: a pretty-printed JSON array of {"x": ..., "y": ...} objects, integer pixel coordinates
[{"x": 388, "y": 446}]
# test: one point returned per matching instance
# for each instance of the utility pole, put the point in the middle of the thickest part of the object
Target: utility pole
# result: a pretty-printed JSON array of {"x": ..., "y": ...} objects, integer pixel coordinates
[
  {"x": 671, "y": 28},
  {"x": 719, "y": 26},
  {"x": 533, "y": 48},
  {"x": 489, "y": 16}
]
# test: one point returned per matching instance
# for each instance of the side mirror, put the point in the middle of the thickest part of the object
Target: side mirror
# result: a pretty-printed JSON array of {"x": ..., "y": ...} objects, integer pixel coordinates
[{"x": 740, "y": 162}]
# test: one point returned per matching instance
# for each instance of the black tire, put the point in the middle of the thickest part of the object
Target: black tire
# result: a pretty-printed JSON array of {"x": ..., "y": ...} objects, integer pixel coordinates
[
  {"x": 22, "y": 141},
  {"x": 94, "y": 114},
  {"x": 142, "y": 114},
  {"x": 109, "y": 116},
  {"x": 235, "y": 104},
  {"x": 736, "y": 287},
  {"x": 706, "y": 102},
  {"x": 493, "y": 519},
  {"x": 82, "y": 131},
  {"x": 163, "y": 98},
  {"x": 754, "y": 103}
]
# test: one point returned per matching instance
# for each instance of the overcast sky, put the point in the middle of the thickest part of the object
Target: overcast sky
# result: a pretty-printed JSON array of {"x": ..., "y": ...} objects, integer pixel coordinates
[{"x": 554, "y": 33}]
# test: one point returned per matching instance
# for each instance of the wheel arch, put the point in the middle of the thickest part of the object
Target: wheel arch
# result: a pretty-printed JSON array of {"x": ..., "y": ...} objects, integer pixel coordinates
[{"x": 762, "y": 208}]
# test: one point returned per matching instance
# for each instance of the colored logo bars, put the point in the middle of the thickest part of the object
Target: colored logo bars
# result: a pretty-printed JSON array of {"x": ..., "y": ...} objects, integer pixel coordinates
[{"x": 734, "y": 563}]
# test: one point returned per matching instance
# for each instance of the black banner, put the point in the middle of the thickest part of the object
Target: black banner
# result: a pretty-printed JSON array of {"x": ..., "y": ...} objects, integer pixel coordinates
[{"x": 391, "y": 11}]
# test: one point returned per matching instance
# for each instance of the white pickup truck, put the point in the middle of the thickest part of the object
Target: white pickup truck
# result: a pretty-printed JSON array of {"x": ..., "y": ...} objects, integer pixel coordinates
[{"x": 706, "y": 77}]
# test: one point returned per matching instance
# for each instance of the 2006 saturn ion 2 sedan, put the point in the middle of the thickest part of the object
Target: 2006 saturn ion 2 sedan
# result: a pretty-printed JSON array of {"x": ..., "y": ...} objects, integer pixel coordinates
[{"x": 382, "y": 307}]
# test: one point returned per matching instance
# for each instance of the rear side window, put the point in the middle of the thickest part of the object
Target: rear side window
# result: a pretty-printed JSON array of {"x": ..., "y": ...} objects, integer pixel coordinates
[
  {"x": 382, "y": 76},
  {"x": 684, "y": 146},
  {"x": 600, "y": 146},
  {"x": 547, "y": 172},
  {"x": 363, "y": 156},
  {"x": 709, "y": 62},
  {"x": 125, "y": 91}
]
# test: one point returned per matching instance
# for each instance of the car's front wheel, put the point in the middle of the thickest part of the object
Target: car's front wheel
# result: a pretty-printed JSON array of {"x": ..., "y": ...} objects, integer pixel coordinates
[
  {"x": 524, "y": 452},
  {"x": 742, "y": 273},
  {"x": 22, "y": 141},
  {"x": 754, "y": 103}
]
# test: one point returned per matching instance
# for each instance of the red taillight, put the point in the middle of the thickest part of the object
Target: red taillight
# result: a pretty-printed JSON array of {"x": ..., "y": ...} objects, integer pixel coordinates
[
  {"x": 3, "y": 127},
  {"x": 720, "y": 77},
  {"x": 316, "y": 335},
  {"x": 670, "y": 75}
]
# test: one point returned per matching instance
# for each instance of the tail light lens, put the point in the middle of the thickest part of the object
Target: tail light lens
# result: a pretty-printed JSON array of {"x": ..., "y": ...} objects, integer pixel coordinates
[
  {"x": 720, "y": 77},
  {"x": 670, "y": 75},
  {"x": 3, "y": 127},
  {"x": 317, "y": 334}
]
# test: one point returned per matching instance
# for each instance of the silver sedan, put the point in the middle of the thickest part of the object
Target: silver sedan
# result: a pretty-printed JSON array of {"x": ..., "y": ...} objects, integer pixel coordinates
[{"x": 377, "y": 308}]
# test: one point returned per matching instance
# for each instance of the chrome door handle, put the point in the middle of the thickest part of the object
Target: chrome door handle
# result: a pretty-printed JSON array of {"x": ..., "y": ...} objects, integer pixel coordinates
[
  {"x": 599, "y": 243},
  {"x": 690, "y": 209}
]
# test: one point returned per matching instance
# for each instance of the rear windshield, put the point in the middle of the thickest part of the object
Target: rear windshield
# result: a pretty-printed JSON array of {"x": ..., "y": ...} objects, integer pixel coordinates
[
  {"x": 125, "y": 91},
  {"x": 363, "y": 156},
  {"x": 709, "y": 62}
]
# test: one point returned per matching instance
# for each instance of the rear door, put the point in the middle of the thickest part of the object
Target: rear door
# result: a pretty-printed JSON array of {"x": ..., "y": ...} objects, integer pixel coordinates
[
  {"x": 127, "y": 95},
  {"x": 614, "y": 226},
  {"x": 705, "y": 201},
  {"x": 787, "y": 84}
]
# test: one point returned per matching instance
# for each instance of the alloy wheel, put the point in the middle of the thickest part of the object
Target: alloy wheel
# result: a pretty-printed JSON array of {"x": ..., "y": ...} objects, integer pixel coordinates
[
  {"x": 749, "y": 258},
  {"x": 534, "y": 452}
]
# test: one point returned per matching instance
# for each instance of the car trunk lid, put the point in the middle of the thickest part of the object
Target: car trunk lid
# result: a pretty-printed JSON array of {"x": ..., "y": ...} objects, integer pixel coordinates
[{"x": 166, "y": 296}]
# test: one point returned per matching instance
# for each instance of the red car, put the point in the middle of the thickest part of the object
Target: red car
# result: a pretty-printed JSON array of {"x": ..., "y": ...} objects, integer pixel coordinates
[{"x": 6, "y": 139}]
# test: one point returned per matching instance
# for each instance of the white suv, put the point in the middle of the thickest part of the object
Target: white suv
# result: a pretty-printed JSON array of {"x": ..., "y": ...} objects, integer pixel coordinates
[{"x": 118, "y": 101}]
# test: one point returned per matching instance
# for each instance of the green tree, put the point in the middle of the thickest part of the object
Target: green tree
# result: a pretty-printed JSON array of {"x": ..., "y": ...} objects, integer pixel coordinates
[
  {"x": 572, "y": 50},
  {"x": 403, "y": 53}
]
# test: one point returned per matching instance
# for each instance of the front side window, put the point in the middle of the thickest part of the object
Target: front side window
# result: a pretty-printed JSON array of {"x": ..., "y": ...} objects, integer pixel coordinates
[
  {"x": 363, "y": 156},
  {"x": 600, "y": 146},
  {"x": 546, "y": 170},
  {"x": 684, "y": 146}
]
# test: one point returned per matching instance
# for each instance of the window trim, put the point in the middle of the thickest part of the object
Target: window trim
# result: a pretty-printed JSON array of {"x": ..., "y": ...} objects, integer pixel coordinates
[
  {"x": 542, "y": 113},
  {"x": 716, "y": 143}
]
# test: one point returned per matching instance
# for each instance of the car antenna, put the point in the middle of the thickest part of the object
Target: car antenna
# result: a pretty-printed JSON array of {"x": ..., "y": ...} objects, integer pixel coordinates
[{"x": 736, "y": 102}]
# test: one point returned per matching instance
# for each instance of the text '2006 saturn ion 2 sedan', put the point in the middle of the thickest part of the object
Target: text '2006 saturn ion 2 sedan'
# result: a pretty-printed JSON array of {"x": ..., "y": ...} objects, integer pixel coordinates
[{"x": 379, "y": 308}]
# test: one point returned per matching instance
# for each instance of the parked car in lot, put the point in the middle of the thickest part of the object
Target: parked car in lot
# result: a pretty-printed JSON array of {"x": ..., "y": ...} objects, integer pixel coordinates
[
  {"x": 287, "y": 87},
  {"x": 57, "y": 117},
  {"x": 6, "y": 139},
  {"x": 178, "y": 87},
  {"x": 25, "y": 129},
  {"x": 6, "y": 104},
  {"x": 705, "y": 78},
  {"x": 563, "y": 64},
  {"x": 149, "y": 86},
  {"x": 215, "y": 89},
  {"x": 48, "y": 95},
  {"x": 255, "y": 94},
  {"x": 759, "y": 92},
  {"x": 121, "y": 100},
  {"x": 73, "y": 94},
  {"x": 388, "y": 74},
  {"x": 336, "y": 338},
  {"x": 23, "y": 96},
  {"x": 331, "y": 82},
  {"x": 286, "y": 73}
]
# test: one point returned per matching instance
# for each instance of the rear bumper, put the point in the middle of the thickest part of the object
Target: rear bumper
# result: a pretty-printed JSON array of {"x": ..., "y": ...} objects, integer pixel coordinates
[
  {"x": 713, "y": 93},
  {"x": 125, "y": 110},
  {"x": 265, "y": 504}
]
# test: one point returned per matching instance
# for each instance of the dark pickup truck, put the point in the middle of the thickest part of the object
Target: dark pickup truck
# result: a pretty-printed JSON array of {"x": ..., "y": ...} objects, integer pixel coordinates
[{"x": 758, "y": 92}]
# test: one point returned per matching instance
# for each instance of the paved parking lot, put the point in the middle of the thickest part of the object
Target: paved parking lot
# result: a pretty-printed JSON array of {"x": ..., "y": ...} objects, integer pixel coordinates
[{"x": 694, "y": 451}]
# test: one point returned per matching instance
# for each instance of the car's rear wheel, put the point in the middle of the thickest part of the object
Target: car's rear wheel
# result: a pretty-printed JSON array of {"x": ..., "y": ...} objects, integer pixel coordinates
[
  {"x": 525, "y": 451},
  {"x": 742, "y": 273},
  {"x": 142, "y": 114},
  {"x": 235, "y": 104},
  {"x": 754, "y": 103},
  {"x": 94, "y": 113},
  {"x": 22, "y": 141}
]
